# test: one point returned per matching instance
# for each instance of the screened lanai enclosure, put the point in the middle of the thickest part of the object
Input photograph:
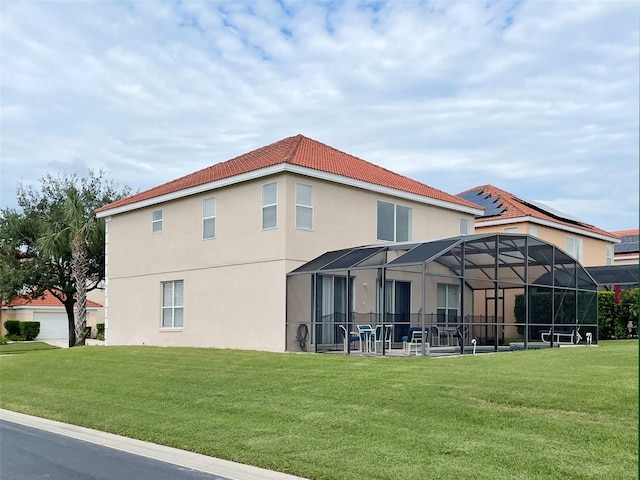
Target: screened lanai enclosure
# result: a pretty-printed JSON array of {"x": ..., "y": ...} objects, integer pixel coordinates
[{"x": 472, "y": 293}]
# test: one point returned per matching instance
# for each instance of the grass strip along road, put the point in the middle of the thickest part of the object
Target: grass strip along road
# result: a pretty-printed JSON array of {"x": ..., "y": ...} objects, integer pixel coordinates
[{"x": 558, "y": 413}]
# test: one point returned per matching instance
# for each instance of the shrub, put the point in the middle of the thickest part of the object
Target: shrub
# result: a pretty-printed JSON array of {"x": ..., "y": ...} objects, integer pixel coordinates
[
  {"x": 627, "y": 311},
  {"x": 12, "y": 327},
  {"x": 3, "y": 340},
  {"x": 100, "y": 329},
  {"x": 606, "y": 327},
  {"x": 29, "y": 330},
  {"x": 100, "y": 336}
]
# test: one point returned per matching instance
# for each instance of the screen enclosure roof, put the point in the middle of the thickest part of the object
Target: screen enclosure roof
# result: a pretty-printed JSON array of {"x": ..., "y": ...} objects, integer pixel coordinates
[{"x": 463, "y": 254}]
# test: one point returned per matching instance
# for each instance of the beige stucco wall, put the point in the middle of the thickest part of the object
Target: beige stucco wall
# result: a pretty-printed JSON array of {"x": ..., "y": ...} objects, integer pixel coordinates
[
  {"x": 235, "y": 284},
  {"x": 594, "y": 250},
  {"x": 226, "y": 307},
  {"x": 347, "y": 217}
]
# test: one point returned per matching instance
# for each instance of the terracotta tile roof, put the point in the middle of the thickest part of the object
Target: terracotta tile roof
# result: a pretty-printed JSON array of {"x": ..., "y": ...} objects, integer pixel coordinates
[
  {"x": 517, "y": 208},
  {"x": 626, "y": 233},
  {"x": 47, "y": 301},
  {"x": 300, "y": 151}
]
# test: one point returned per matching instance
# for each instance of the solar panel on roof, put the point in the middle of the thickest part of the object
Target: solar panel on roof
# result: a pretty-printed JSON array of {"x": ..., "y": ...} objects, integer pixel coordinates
[
  {"x": 628, "y": 244},
  {"x": 551, "y": 211},
  {"x": 491, "y": 205}
]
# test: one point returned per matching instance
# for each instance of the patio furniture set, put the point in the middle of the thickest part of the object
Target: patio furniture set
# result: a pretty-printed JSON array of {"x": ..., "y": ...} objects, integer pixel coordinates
[{"x": 370, "y": 339}]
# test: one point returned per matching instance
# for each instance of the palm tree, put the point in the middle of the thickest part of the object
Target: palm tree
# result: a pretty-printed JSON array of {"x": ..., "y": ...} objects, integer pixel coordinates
[{"x": 73, "y": 227}]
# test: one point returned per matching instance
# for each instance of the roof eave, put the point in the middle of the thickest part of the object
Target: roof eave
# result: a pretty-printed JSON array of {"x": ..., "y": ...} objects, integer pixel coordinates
[
  {"x": 547, "y": 223},
  {"x": 287, "y": 167}
]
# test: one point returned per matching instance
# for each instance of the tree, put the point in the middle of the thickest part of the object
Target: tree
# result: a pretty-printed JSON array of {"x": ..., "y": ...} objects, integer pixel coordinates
[{"x": 55, "y": 243}]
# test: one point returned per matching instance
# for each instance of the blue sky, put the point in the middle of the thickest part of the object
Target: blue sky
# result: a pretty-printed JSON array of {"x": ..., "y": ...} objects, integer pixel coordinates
[{"x": 538, "y": 98}]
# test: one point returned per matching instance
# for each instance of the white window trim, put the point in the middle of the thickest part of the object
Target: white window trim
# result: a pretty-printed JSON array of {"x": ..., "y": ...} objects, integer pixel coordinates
[
  {"x": 579, "y": 246},
  {"x": 308, "y": 229},
  {"x": 269, "y": 205},
  {"x": 608, "y": 255},
  {"x": 215, "y": 212},
  {"x": 395, "y": 221},
  {"x": 467, "y": 223},
  {"x": 172, "y": 307},
  {"x": 157, "y": 221}
]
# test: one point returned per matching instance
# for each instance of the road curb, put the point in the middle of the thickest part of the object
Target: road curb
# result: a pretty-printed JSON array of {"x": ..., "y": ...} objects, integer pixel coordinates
[{"x": 183, "y": 458}]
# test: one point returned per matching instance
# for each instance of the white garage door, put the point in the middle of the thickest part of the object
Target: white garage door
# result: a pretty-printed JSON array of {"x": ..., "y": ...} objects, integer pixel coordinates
[{"x": 52, "y": 325}]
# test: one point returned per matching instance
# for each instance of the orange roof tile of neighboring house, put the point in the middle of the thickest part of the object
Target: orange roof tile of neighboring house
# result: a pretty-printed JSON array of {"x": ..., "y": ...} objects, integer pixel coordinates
[
  {"x": 514, "y": 207},
  {"x": 48, "y": 300},
  {"x": 626, "y": 233},
  {"x": 302, "y": 152}
]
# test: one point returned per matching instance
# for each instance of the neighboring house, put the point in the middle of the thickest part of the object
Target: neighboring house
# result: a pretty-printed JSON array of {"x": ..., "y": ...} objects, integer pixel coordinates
[
  {"x": 505, "y": 212},
  {"x": 626, "y": 252},
  {"x": 51, "y": 314},
  {"x": 203, "y": 260}
]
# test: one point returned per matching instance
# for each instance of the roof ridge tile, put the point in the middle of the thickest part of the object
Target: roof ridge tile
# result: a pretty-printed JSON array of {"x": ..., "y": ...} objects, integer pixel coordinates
[{"x": 300, "y": 151}]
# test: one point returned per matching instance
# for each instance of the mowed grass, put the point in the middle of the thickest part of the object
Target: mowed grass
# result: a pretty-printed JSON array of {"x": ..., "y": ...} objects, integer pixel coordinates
[
  {"x": 23, "y": 347},
  {"x": 550, "y": 414}
]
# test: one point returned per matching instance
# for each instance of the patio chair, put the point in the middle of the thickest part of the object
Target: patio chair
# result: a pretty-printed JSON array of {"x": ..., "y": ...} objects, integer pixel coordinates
[
  {"x": 378, "y": 337},
  {"x": 415, "y": 340},
  {"x": 437, "y": 336},
  {"x": 352, "y": 337},
  {"x": 461, "y": 334}
]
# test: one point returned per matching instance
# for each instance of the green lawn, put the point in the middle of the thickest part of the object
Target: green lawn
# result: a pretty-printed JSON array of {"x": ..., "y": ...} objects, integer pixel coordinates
[
  {"x": 22, "y": 347},
  {"x": 549, "y": 414}
]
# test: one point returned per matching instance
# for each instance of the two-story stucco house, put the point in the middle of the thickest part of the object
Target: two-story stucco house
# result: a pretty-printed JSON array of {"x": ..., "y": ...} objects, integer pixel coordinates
[
  {"x": 202, "y": 260},
  {"x": 505, "y": 212}
]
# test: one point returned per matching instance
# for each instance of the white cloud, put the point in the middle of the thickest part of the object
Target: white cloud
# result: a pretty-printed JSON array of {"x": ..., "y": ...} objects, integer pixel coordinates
[{"x": 538, "y": 98}]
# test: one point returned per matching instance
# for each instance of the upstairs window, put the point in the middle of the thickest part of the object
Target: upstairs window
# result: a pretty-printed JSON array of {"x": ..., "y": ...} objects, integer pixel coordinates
[
  {"x": 574, "y": 247},
  {"x": 304, "y": 206},
  {"x": 609, "y": 254},
  {"x": 511, "y": 230},
  {"x": 533, "y": 231},
  {"x": 269, "y": 206},
  {"x": 209, "y": 218},
  {"x": 465, "y": 226},
  {"x": 156, "y": 221},
  {"x": 394, "y": 222}
]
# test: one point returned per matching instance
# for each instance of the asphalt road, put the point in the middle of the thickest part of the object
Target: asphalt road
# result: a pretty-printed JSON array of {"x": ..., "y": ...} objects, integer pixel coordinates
[{"x": 30, "y": 454}]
